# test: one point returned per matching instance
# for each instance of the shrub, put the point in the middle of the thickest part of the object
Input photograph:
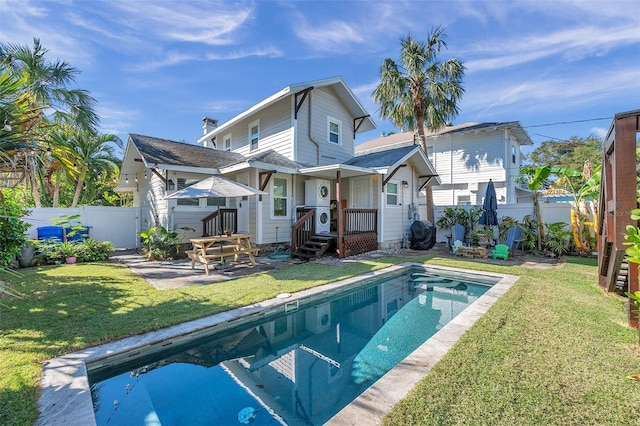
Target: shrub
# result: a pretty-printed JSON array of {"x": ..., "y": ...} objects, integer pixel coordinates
[{"x": 12, "y": 227}]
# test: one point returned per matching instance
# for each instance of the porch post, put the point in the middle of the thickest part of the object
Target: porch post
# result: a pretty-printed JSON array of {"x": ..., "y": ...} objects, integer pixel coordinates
[{"x": 339, "y": 222}]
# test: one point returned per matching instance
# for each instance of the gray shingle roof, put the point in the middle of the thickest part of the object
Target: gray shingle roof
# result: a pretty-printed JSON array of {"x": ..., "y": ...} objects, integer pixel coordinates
[
  {"x": 272, "y": 157},
  {"x": 166, "y": 152},
  {"x": 381, "y": 158}
]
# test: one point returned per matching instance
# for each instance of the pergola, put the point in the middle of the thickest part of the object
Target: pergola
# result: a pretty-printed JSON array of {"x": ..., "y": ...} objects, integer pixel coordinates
[{"x": 617, "y": 198}]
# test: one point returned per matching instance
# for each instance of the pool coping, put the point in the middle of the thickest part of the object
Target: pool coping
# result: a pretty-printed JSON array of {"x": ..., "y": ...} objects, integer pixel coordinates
[{"x": 66, "y": 398}]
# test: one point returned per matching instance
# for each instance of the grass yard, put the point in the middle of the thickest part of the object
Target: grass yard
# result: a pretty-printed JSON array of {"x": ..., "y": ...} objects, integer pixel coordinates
[{"x": 554, "y": 350}]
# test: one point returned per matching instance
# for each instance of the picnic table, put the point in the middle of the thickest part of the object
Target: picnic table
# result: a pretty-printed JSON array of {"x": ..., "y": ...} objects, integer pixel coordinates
[{"x": 219, "y": 247}]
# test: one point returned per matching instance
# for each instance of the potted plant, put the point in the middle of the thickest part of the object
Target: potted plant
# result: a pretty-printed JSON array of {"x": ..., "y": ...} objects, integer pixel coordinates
[
  {"x": 482, "y": 236},
  {"x": 68, "y": 251},
  {"x": 27, "y": 252},
  {"x": 228, "y": 232}
]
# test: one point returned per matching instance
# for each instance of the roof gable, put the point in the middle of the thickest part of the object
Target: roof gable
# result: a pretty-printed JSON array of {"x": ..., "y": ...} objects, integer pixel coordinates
[
  {"x": 407, "y": 138},
  {"x": 338, "y": 86}
]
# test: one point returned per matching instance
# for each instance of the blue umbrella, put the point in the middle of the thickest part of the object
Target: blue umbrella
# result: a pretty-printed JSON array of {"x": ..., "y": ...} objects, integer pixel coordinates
[{"x": 490, "y": 207}]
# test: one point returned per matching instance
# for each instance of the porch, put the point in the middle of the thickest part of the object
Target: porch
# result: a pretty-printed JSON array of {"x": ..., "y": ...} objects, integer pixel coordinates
[{"x": 353, "y": 231}]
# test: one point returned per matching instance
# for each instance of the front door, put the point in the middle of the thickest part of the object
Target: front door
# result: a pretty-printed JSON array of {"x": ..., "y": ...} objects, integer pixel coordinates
[{"x": 360, "y": 196}]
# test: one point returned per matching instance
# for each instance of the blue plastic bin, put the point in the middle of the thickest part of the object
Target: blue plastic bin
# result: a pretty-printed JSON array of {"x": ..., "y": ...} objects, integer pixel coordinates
[{"x": 55, "y": 233}]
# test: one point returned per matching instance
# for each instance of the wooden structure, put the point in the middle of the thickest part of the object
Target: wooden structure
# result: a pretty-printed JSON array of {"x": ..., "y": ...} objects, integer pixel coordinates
[
  {"x": 617, "y": 198},
  {"x": 220, "y": 247},
  {"x": 472, "y": 252}
]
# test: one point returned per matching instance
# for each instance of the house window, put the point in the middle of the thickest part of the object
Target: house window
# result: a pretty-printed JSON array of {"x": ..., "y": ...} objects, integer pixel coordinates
[
  {"x": 464, "y": 200},
  {"x": 392, "y": 194},
  {"x": 227, "y": 142},
  {"x": 280, "y": 197},
  {"x": 216, "y": 202},
  {"x": 513, "y": 154},
  {"x": 430, "y": 153},
  {"x": 334, "y": 129},
  {"x": 182, "y": 184},
  {"x": 254, "y": 134}
]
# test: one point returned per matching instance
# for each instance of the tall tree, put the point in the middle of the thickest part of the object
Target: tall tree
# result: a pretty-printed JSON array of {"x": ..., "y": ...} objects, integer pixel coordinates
[
  {"x": 420, "y": 91},
  {"x": 571, "y": 153},
  {"x": 84, "y": 152},
  {"x": 46, "y": 85}
]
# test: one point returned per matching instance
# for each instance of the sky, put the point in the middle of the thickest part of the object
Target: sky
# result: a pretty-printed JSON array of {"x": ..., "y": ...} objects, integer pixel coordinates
[{"x": 561, "y": 68}]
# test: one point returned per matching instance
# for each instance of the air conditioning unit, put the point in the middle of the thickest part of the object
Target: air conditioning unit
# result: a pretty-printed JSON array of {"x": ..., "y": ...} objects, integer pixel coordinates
[
  {"x": 316, "y": 193},
  {"x": 318, "y": 318},
  {"x": 323, "y": 220}
]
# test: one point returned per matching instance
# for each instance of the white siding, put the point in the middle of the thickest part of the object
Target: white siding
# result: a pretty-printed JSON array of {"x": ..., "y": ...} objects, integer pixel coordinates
[
  {"x": 276, "y": 131},
  {"x": 467, "y": 161},
  {"x": 323, "y": 105}
]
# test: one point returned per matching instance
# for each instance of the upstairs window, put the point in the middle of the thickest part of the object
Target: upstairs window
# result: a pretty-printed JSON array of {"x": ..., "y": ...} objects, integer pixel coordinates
[
  {"x": 254, "y": 135},
  {"x": 513, "y": 154},
  {"x": 392, "y": 194},
  {"x": 334, "y": 129},
  {"x": 227, "y": 142}
]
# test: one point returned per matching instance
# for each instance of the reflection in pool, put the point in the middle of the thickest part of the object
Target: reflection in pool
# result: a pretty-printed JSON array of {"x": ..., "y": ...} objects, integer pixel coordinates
[{"x": 299, "y": 366}]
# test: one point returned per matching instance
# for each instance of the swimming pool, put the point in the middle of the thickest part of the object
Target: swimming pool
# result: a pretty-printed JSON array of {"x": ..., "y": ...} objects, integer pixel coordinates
[{"x": 287, "y": 361}]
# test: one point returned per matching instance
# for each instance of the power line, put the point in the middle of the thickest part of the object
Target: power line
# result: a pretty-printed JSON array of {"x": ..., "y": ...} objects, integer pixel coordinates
[{"x": 568, "y": 122}]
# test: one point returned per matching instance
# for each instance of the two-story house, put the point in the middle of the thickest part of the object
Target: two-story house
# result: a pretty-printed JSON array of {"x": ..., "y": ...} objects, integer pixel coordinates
[
  {"x": 297, "y": 146},
  {"x": 466, "y": 157}
]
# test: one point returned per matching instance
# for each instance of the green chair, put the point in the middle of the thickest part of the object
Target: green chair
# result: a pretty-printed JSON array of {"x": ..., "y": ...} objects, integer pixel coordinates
[{"x": 502, "y": 251}]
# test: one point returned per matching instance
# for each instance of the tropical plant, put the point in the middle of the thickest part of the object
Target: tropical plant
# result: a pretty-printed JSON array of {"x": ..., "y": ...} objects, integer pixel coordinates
[
  {"x": 420, "y": 91},
  {"x": 12, "y": 227},
  {"x": 83, "y": 152},
  {"x": 633, "y": 255},
  {"x": 584, "y": 238},
  {"x": 558, "y": 239}
]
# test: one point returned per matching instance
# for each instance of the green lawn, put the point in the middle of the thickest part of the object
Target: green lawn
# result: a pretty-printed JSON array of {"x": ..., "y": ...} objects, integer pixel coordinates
[{"x": 554, "y": 350}]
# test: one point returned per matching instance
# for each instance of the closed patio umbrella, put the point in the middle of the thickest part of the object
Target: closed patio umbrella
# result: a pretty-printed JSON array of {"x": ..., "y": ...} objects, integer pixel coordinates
[{"x": 489, "y": 207}]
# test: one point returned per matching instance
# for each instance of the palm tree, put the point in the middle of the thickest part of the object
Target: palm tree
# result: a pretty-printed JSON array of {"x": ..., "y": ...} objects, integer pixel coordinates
[
  {"x": 421, "y": 91},
  {"x": 83, "y": 152},
  {"x": 45, "y": 85},
  {"x": 48, "y": 81}
]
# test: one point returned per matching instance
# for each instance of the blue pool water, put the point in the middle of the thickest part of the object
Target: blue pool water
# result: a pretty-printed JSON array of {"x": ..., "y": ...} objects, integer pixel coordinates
[{"x": 296, "y": 367}]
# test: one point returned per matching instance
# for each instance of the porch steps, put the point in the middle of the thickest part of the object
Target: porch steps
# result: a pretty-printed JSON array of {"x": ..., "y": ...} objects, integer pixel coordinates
[
  {"x": 622, "y": 281},
  {"x": 315, "y": 247}
]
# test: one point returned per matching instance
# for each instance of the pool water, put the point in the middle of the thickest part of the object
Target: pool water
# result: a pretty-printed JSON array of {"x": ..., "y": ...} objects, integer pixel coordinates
[{"x": 299, "y": 365}]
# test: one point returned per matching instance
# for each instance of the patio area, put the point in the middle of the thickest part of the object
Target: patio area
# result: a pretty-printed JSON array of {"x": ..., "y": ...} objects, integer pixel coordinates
[{"x": 165, "y": 275}]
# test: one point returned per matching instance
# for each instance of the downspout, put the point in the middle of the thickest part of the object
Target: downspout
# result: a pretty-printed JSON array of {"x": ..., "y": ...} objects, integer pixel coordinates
[{"x": 311, "y": 136}]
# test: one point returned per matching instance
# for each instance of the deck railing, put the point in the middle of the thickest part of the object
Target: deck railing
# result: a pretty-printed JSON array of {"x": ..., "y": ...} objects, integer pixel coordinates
[
  {"x": 360, "y": 221},
  {"x": 304, "y": 227},
  {"x": 219, "y": 221}
]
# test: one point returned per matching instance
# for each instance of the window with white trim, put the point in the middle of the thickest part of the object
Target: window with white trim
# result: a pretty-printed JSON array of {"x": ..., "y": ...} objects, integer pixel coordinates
[
  {"x": 513, "y": 154},
  {"x": 334, "y": 130},
  {"x": 463, "y": 200},
  {"x": 197, "y": 202},
  {"x": 392, "y": 194},
  {"x": 254, "y": 135},
  {"x": 280, "y": 198},
  {"x": 227, "y": 142},
  {"x": 185, "y": 183}
]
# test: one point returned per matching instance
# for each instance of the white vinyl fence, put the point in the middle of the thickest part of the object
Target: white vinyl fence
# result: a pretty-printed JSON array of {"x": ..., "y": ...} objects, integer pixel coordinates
[
  {"x": 550, "y": 213},
  {"x": 120, "y": 225}
]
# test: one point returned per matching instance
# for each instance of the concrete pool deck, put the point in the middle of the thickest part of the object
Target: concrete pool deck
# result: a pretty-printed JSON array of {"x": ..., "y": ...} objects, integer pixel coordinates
[{"x": 66, "y": 398}]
